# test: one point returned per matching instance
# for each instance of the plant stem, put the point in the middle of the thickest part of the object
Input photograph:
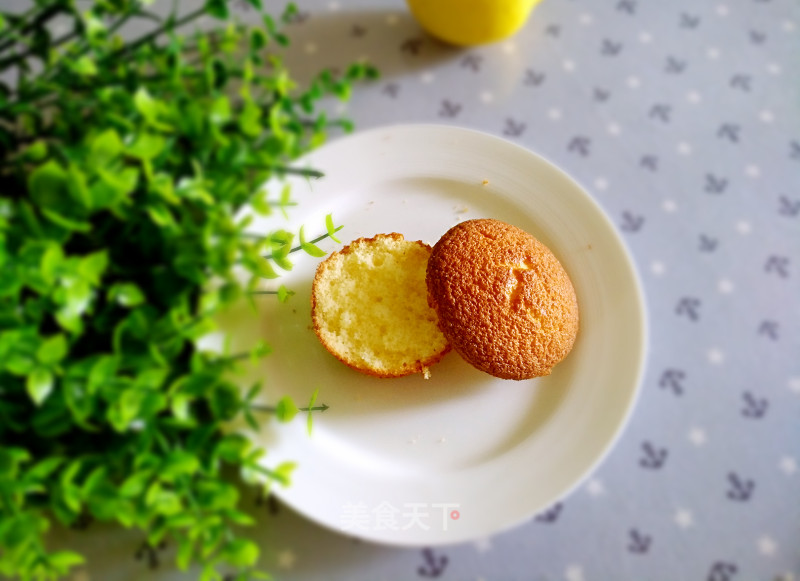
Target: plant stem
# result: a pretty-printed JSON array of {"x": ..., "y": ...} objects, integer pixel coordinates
[
  {"x": 273, "y": 409},
  {"x": 43, "y": 17},
  {"x": 310, "y": 173},
  {"x": 296, "y": 248},
  {"x": 156, "y": 33}
]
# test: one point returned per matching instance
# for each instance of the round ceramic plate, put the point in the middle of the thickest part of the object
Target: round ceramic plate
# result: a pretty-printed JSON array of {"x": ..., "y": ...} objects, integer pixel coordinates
[{"x": 461, "y": 455}]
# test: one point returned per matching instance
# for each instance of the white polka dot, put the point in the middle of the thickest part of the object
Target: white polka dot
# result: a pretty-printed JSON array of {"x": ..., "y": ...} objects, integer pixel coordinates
[
  {"x": 487, "y": 97},
  {"x": 722, "y": 10},
  {"x": 766, "y": 116},
  {"x": 614, "y": 129},
  {"x": 794, "y": 384},
  {"x": 683, "y": 518},
  {"x": 286, "y": 559},
  {"x": 693, "y": 97},
  {"x": 645, "y": 37},
  {"x": 774, "y": 69},
  {"x": 713, "y": 53},
  {"x": 715, "y": 356},
  {"x": 573, "y": 573},
  {"x": 633, "y": 82},
  {"x": 585, "y": 18},
  {"x": 554, "y": 114},
  {"x": 569, "y": 65},
  {"x": 310, "y": 48},
  {"x": 392, "y": 19},
  {"x": 595, "y": 487},
  {"x": 697, "y": 436},
  {"x": 788, "y": 25},
  {"x": 80, "y": 575},
  {"x": 725, "y": 286},
  {"x": 684, "y": 148},
  {"x": 788, "y": 465},
  {"x": 743, "y": 227},
  {"x": 657, "y": 268},
  {"x": 752, "y": 171},
  {"x": 483, "y": 545},
  {"x": 509, "y": 47},
  {"x": 669, "y": 206},
  {"x": 427, "y": 77},
  {"x": 767, "y": 546},
  {"x": 601, "y": 184}
]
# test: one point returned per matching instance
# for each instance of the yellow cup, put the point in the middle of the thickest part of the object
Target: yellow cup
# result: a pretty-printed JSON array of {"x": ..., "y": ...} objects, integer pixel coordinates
[{"x": 469, "y": 22}]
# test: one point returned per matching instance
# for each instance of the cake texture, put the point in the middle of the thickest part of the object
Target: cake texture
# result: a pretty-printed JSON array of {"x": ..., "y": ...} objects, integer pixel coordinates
[
  {"x": 369, "y": 307},
  {"x": 503, "y": 300}
]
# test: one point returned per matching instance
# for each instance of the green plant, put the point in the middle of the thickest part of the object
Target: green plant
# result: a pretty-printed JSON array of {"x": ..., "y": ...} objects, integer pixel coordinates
[{"x": 123, "y": 164}]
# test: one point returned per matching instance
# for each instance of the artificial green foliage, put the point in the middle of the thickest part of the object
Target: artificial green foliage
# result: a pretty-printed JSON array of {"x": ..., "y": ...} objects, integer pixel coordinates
[{"x": 123, "y": 165}]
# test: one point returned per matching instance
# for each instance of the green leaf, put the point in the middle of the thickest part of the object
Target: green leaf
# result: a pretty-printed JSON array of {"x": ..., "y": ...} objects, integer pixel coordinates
[
  {"x": 145, "y": 104},
  {"x": 126, "y": 294},
  {"x": 63, "y": 561},
  {"x": 36, "y": 151},
  {"x": 65, "y": 222},
  {"x": 79, "y": 401},
  {"x": 106, "y": 147},
  {"x": 52, "y": 261},
  {"x": 43, "y": 469},
  {"x": 258, "y": 40},
  {"x": 260, "y": 349},
  {"x": 84, "y": 66},
  {"x": 47, "y": 184},
  {"x": 311, "y": 402},
  {"x": 52, "y": 350},
  {"x": 177, "y": 464},
  {"x": 180, "y": 407},
  {"x": 147, "y": 146},
  {"x": 286, "y": 409},
  {"x": 162, "y": 185},
  {"x": 260, "y": 203},
  {"x": 220, "y": 110},
  {"x": 250, "y": 119},
  {"x": 39, "y": 385},
  {"x": 135, "y": 484},
  {"x": 160, "y": 215},
  {"x": 241, "y": 553},
  {"x": 78, "y": 187},
  {"x": 185, "y": 553},
  {"x": 92, "y": 267},
  {"x": 284, "y": 294},
  {"x": 103, "y": 372},
  {"x": 332, "y": 230},
  {"x": 232, "y": 448},
  {"x": 283, "y": 472},
  {"x": 217, "y": 8},
  {"x": 310, "y": 248}
]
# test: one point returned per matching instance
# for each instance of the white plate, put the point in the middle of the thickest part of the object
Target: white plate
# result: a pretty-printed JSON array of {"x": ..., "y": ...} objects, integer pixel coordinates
[{"x": 462, "y": 455}]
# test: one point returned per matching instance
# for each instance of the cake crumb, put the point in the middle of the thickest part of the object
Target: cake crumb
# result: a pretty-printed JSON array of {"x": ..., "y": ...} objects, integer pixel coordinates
[
  {"x": 485, "y": 183},
  {"x": 426, "y": 373}
]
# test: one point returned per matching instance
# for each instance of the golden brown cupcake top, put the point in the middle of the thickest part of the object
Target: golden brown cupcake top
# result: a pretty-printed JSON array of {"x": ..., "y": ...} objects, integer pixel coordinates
[{"x": 503, "y": 300}]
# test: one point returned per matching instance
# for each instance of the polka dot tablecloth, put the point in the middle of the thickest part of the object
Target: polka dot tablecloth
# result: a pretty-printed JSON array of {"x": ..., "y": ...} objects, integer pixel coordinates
[{"x": 682, "y": 119}]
